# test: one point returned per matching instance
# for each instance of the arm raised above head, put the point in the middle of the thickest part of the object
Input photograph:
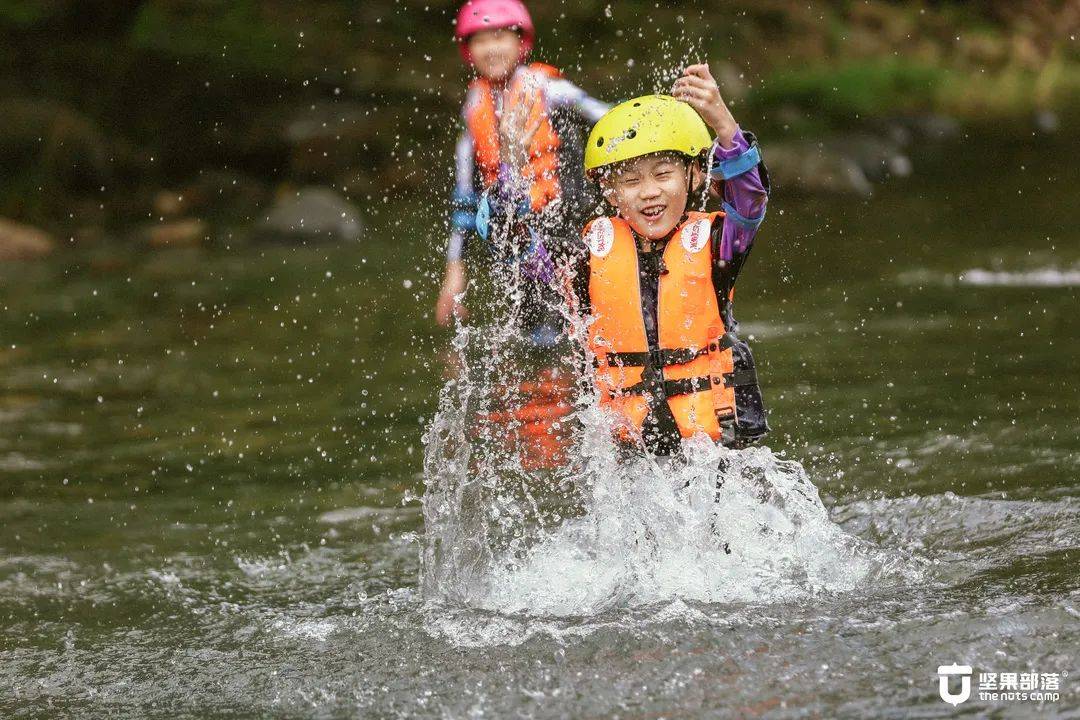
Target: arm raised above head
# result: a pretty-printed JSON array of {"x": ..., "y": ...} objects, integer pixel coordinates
[{"x": 697, "y": 87}]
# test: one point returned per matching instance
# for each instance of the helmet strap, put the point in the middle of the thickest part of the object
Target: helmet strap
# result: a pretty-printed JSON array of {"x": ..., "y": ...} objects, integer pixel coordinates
[{"x": 707, "y": 167}]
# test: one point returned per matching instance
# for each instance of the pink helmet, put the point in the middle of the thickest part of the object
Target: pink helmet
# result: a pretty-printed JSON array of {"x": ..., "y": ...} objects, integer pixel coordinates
[{"x": 477, "y": 15}]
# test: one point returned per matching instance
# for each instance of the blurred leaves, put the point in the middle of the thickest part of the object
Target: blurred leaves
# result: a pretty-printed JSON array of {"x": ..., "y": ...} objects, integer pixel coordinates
[
  {"x": 889, "y": 85},
  {"x": 365, "y": 96},
  {"x": 237, "y": 33},
  {"x": 29, "y": 12}
]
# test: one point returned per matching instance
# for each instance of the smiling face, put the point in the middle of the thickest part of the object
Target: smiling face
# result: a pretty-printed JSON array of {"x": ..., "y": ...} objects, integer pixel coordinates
[
  {"x": 650, "y": 192},
  {"x": 495, "y": 53}
]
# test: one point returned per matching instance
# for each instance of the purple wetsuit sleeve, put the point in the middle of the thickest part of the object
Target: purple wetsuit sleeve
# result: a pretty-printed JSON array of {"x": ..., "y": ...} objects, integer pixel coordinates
[{"x": 745, "y": 193}]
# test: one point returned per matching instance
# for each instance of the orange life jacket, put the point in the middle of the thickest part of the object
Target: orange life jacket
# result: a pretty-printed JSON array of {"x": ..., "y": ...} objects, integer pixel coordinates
[
  {"x": 694, "y": 355},
  {"x": 483, "y": 122}
]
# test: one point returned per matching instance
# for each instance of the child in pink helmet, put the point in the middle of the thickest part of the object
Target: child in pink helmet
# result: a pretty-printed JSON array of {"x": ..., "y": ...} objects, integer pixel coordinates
[{"x": 516, "y": 116}]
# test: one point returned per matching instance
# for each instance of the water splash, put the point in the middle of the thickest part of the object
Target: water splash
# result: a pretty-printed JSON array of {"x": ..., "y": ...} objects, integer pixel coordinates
[
  {"x": 614, "y": 530},
  {"x": 491, "y": 491},
  {"x": 717, "y": 526}
]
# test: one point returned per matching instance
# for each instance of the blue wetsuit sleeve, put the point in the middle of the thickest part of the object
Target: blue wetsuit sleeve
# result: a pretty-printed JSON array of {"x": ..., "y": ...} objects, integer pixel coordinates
[{"x": 463, "y": 200}]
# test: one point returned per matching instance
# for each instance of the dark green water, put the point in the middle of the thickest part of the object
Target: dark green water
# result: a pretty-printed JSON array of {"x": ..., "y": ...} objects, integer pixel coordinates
[{"x": 210, "y": 461}]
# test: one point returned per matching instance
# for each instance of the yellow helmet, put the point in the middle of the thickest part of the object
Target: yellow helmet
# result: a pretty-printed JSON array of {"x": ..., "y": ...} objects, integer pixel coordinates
[{"x": 645, "y": 125}]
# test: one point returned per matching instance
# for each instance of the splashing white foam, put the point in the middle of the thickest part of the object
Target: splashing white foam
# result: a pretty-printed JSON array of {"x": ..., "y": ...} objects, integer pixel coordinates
[
  {"x": 1043, "y": 277},
  {"x": 310, "y": 629},
  {"x": 713, "y": 525},
  {"x": 716, "y": 526}
]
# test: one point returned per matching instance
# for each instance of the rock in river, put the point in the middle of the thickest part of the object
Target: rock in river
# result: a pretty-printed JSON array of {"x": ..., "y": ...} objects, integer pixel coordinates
[
  {"x": 23, "y": 242},
  {"x": 311, "y": 213}
]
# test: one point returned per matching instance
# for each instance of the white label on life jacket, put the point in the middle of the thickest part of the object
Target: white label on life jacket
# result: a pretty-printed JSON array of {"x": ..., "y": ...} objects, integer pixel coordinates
[
  {"x": 696, "y": 235},
  {"x": 601, "y": 237}
]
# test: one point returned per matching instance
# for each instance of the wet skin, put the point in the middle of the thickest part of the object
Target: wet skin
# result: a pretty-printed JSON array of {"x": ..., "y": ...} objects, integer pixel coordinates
[
  {"x": 650, "y": 192},
  {"x": 495, "y": 53}
]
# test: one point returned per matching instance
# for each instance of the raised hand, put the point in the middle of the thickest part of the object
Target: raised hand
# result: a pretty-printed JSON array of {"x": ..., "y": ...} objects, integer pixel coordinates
[
  {"x": 697, "y": 87},
  {"x": 519, "y": 124}
]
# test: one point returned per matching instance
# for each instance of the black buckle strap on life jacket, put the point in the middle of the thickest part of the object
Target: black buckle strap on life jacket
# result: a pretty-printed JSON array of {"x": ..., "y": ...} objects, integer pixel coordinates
[
  {"x": 725, "y": 342},
  {"x": 741, "y": 377},
  {"x": 670, "y": 388},
  {"x": 657, "y": 358}
]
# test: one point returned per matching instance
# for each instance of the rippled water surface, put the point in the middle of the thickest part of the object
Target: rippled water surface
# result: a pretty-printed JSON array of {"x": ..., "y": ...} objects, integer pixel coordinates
[{"x": 212, "y": 464}]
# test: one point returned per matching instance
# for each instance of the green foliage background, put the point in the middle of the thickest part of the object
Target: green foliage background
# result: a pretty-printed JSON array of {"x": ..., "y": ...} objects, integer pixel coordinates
[{"x": 175, "y": 87}]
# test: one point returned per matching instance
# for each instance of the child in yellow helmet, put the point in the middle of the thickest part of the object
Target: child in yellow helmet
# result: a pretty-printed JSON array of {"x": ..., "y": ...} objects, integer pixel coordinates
[{"x": 659, "y": 278}]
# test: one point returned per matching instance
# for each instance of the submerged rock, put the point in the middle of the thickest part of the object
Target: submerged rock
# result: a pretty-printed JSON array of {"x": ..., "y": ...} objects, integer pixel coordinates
[
  {"x": 311, "y": 213},
  {"x": 815, "y": 168},
  {"x": 171, "y": 203},
  {"x": 225, "y": 192},
  {"x": 876, "y": 156},
  {"x": 23, "y": 242},
  {"x": 1047, "y": 121},
  {"x": 185, "y": 232},
  {"x": 330, "y": 140},
  {"x": 59, "y": 143},
  {"x": 927, "y": 126},
  {"x": 848, "y": 163}
]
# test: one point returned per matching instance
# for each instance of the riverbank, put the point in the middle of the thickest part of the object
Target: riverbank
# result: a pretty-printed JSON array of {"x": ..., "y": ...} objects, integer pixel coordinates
[{"x": 111, "y": 110}]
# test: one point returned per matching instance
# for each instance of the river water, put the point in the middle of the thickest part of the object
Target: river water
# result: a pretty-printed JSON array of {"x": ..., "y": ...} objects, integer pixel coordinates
[{"x": 212, "y": 463}]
